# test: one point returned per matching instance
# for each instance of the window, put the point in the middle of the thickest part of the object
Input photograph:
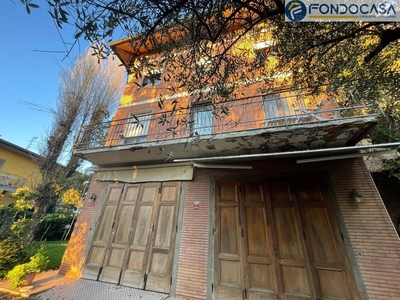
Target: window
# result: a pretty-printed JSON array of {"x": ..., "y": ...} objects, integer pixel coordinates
[
  {"x": 263, "y": 51},
  {"x": 275, "y": 107},
  {"x": 152, "y": 78},
  {"x": 2, "y": 162},
  {"x": 137, "y": 129},
  {"x": 204, "y": 65},
  {"x": 202, "y": 119}
]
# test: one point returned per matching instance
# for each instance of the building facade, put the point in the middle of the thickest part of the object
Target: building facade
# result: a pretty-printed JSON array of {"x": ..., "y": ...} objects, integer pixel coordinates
[
  {"x": 262, "y": 204},
  {"x": 18, "y": 168}
]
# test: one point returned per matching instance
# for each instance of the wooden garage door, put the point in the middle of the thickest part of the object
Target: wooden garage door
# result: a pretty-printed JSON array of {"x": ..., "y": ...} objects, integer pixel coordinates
[
  {"x": 278, "y": 240},
  {"x": 136, "y": 233}
]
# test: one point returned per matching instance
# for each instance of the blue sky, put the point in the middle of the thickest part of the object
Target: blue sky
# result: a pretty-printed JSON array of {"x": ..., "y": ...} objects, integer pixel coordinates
[{"x": 27, "y": 75}]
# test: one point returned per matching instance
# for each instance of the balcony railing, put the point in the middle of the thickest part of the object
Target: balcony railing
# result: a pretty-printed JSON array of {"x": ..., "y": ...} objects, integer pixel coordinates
[
  {"x": 283, "y": 109},
  {"x": 11, "y": 182}
]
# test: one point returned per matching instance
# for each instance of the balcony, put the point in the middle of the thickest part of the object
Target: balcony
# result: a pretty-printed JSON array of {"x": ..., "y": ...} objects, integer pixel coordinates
[
  {"x": 10, "y": 182},
  {"x": 268, "y": 123}
]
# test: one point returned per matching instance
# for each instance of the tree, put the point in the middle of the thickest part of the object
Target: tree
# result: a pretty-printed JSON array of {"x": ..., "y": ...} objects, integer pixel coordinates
[
  {"x": 311, "y": 55},
  {"x": 88, "y": 93},
  {"x": 336, "y": 50}
]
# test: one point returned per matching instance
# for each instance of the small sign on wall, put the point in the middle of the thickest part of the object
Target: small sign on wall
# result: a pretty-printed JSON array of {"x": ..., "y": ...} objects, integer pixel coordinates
[{"x": 196, "y": 205}]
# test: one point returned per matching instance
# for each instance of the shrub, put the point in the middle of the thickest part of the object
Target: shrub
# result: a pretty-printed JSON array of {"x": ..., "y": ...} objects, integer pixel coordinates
[
  {"x": 37, "y": 264},
  {"x": 12, "y": 253},
  {"x": 7, "y": 217}
]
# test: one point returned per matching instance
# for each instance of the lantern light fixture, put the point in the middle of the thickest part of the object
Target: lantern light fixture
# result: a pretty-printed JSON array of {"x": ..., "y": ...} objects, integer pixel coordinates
[
  {"x": 357, "y": 198},
  {"x": 92, "y": 198}
]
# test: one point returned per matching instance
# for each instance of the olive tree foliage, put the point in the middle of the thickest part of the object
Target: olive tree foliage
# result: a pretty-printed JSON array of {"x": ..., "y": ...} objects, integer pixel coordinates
[
  {"x": 315, "y": 53},
  {"x": 88, "y": 93},
  {"x": 199, "y": 40}
]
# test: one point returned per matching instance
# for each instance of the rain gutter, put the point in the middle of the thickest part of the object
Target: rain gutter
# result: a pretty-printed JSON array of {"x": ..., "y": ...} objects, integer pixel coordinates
[{"x": 297, "y": 153}]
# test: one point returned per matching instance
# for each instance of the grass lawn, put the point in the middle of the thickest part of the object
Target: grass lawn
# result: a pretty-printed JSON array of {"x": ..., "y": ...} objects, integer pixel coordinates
[{"x": 54, "y": 250}]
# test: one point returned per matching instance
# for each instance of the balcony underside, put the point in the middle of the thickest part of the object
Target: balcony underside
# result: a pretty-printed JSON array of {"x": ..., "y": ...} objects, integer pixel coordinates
[{"x": 281, "y": 139}]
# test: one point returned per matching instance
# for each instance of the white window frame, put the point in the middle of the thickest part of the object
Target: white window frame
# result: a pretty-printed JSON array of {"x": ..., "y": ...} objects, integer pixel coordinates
[
  {"x": 137, "y": 128},
  {"x": 263, "y": 50},
  {"x": 202, "y": 118},
  {"x": 148, "y": 81}
]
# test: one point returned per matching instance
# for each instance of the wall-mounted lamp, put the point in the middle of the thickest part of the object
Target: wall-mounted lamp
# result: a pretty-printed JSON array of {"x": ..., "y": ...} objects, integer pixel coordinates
[
  {"x": 356, "y": 196},
  {"x": 92, "y": 198}
]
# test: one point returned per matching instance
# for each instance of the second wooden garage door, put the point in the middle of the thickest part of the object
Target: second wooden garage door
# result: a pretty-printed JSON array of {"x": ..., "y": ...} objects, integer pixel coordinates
[
  {"x": 278, "y": 239},
  {"x": 134, "y": 241}
]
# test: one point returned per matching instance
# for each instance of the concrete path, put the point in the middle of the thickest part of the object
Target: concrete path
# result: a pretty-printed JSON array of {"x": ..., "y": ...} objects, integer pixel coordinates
[{"x": 51, "y": 286}]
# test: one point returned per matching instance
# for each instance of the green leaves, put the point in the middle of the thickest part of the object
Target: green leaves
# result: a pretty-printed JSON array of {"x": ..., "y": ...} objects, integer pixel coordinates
[
  {"x": 59, "y": 11},
  {"x": 28, "y": 5}
]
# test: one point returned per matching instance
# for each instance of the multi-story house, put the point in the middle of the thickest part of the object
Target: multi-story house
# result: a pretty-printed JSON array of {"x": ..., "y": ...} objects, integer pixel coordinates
[
  {"x": 18, "y": 168},
  {"x": 271, "y": 202}
]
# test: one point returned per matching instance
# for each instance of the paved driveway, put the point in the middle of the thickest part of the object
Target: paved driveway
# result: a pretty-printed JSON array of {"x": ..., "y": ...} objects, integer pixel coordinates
[
  {"x": 83, "y": 289},
  {"x": 52, "y": 286}
]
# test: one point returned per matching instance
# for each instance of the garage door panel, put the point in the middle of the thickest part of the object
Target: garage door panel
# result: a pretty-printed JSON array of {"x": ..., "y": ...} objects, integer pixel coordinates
[
  {"x": 309, "y": 191},
  {"x": 321, "y": 236},
  {"x": 133, "y": 279},
  {"x": 287, "y": 231},
  {"x": 165, "y": 226},
  {"x": 333, "y": 283},
  {"x": 120, "y": 237},
  {"x": 158, "y": 283},
  {"x": 295, "y": 281},
  {"x": 159, "y": 269},
  {"x": 102, "y": 236},
  {"x": 114, "y": 193},
  {"x": 136, "y": 260},
  {"x": 103, "y": 233},
  {"x": 97, "y": 255},
  {"x": 132, "y": 193},
  {"x": 228, "y": 292},
  {"x": 252, "y": 192},
  {"x": 279, "y": 192},
  {"x": 260, "y": 294},
  {"x": 149, "y": 193},
  {"x": 256, "y": 232},
  {"x": 91, "y": 271},
  {"x": 229, "y": 230},
  {"x": 117, "y": 255},
  {"x": 137, "y": 234},
  {"x": 143, "y": 225},
  {"x": 230, "y": 273},
  {"x": 296, "y": 256},
  {"x": 260, "y": 277},
  {"x": 159, "y": 263},
  {"x": 125, "y": 224},
  {"x": 111, "y": 274}
]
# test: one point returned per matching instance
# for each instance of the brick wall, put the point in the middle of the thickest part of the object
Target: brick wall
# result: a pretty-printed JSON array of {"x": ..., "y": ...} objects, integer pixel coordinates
[
  {"x": 73, "y": 258},
  {"x": 374, "y": 242},
  {"x": 192, "y": 267},
  {"x": 373, "y": 238}
]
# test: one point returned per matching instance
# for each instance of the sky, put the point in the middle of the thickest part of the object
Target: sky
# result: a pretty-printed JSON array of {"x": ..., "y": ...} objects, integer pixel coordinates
[{"x": 27, "y": 74}]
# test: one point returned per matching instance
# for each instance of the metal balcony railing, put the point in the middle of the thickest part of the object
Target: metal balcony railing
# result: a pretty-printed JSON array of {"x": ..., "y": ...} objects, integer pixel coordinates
[
  {"x": 283, "y": 109},
  {"x": 11, "y": 181}
]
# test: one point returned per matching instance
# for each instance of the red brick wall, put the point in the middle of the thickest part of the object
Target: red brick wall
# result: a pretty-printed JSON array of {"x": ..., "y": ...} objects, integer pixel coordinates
[
  {"x": 373, "y": 239},
  {"x": 73, "y": 258},
  {"x": 192, "y": 266}
]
